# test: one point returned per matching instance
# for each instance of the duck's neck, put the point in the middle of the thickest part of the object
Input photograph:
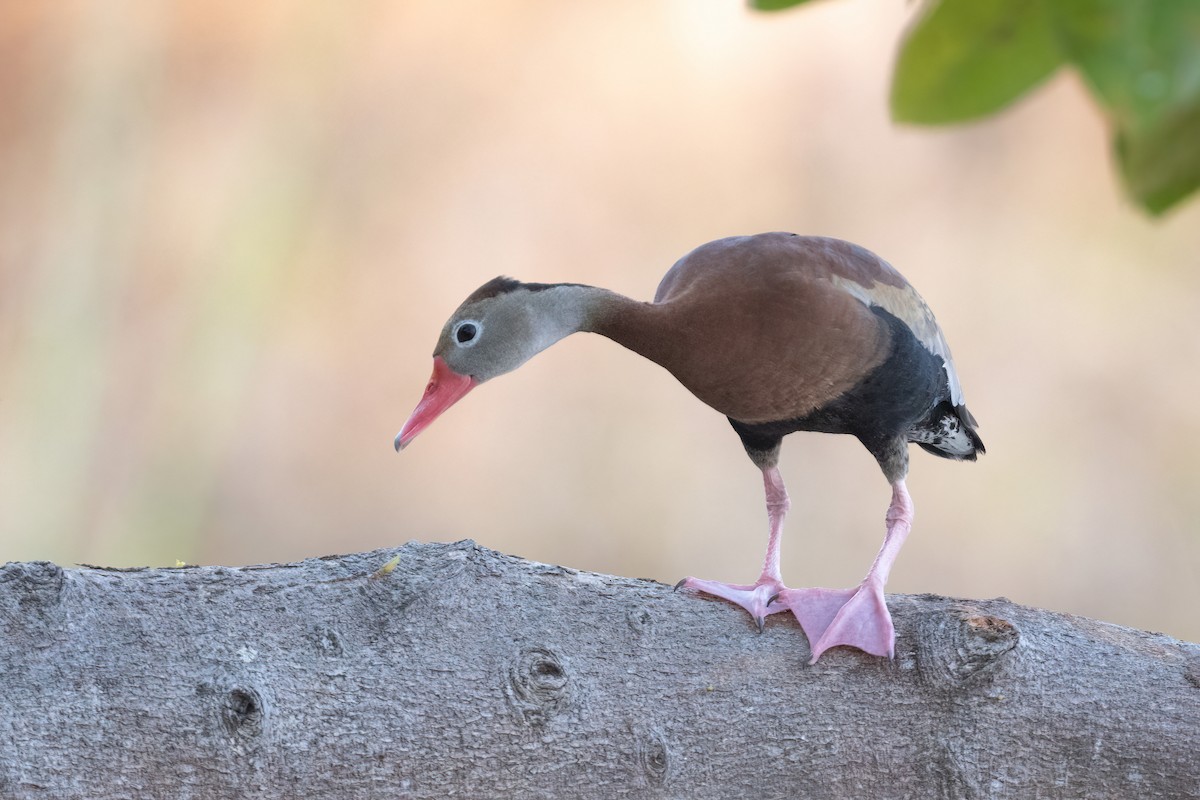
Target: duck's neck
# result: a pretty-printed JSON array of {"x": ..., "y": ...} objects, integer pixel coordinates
[{"x": 566, "y": 308}]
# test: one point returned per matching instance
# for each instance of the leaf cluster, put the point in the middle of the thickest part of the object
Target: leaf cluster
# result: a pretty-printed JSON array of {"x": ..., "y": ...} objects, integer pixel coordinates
[{"x": 965, "y": 59}]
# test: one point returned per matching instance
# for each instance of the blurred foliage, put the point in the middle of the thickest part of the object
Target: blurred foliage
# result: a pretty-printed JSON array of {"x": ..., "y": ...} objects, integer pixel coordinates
[
  {"x": 965, "y": 59},
  {"x": 775, "y": 5}
]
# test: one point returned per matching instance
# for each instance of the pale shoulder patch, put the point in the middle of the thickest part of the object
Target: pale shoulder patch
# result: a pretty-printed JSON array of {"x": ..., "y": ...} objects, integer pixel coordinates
[{"x": 905, "y": 304}]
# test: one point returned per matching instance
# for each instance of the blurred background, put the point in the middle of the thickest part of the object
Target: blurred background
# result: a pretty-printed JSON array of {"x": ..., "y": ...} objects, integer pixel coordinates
[{"x": 230, "y": 234}]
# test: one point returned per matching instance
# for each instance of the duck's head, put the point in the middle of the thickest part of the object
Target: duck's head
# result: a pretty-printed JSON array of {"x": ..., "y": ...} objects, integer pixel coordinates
[{"x": 499, "y": 327}]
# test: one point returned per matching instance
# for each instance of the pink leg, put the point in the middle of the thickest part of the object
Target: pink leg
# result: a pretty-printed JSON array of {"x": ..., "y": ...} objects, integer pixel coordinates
[
  {"x": 756, "y": 597},
  {"x": 856, "y": 617}
]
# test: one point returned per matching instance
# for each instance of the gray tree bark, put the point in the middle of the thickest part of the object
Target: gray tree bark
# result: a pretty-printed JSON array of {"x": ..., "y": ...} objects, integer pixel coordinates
[{"x": 469, "y": 673}]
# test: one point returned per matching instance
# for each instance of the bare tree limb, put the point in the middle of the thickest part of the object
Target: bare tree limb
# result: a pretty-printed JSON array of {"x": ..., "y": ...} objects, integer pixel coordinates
[{"x": 468, "y": 673}]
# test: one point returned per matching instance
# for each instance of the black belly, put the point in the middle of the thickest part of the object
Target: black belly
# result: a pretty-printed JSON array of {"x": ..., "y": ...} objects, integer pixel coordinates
[{"x": 883, "y": 406}]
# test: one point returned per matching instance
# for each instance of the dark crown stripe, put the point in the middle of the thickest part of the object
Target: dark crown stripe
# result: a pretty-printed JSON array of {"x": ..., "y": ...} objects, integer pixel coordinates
[{"x": 503, "y": 284}]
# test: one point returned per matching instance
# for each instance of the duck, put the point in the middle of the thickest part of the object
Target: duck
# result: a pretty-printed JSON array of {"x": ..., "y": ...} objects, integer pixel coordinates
[{"x": 779, "y": 332}]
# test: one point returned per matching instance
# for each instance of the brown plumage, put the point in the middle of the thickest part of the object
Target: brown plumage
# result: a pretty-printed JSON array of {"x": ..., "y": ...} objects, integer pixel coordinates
[{"x": 778, "y": 332}]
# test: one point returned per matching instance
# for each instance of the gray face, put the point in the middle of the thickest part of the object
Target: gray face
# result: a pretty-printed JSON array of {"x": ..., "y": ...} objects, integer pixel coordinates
[{"x": 492, "y": 336}]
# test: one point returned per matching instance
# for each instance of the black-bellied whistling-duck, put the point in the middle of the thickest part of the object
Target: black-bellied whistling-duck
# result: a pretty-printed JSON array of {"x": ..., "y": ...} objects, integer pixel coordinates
[{"x": 780, "y": 333}]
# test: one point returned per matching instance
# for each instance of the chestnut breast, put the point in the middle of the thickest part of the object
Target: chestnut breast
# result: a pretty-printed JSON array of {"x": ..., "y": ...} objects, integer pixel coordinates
[{"x": 760, "y": 328}]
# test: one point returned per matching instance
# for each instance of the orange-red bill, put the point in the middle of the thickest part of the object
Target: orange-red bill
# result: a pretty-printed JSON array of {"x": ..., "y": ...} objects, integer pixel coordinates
[{"x": 446, "y": 387}]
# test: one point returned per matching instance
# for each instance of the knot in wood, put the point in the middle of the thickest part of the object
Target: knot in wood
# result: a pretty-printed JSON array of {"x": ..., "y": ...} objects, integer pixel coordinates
[
  {"x": 640, "y": 620},
  {"x": 242, "y": 712},
  {"x": 654, "y": 756},
  {"x": 989, "y": 637},
  {"x": 328, "y": 641},
  {"x": 959, "y": 647},
  {"x": 538, "y": 686}
]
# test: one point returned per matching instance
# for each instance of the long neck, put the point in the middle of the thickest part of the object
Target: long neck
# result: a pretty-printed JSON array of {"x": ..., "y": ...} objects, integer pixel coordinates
[{"x": 566, "y": 308}]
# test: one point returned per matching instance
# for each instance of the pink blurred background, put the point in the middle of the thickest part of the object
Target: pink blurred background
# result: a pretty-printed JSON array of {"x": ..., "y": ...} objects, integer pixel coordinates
[{"x": 230, "y": 233}]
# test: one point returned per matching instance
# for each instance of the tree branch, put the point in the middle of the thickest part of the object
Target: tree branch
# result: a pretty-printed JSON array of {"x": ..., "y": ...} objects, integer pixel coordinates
[{"x": 466, "y": 672}]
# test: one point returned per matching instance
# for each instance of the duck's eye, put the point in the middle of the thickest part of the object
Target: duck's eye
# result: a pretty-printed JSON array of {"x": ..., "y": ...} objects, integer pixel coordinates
[{"x": 466, "y": 332}]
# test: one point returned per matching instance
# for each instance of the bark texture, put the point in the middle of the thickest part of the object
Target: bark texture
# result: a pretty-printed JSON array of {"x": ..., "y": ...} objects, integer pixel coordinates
[{"x": 469, "y": 673}]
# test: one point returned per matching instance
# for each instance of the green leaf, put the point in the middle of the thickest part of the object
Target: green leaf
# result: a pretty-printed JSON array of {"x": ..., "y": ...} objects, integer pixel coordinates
[
  {"x": 1141, "y": 59},
  {"x": 1161, "y": 166},
  {"x": 775, "y": 5},
  {"x": 968, "y": 58}
]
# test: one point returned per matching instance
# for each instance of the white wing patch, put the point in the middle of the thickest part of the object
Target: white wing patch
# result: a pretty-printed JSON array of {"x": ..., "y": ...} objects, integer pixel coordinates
[{"x": 910, "y": 308}]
